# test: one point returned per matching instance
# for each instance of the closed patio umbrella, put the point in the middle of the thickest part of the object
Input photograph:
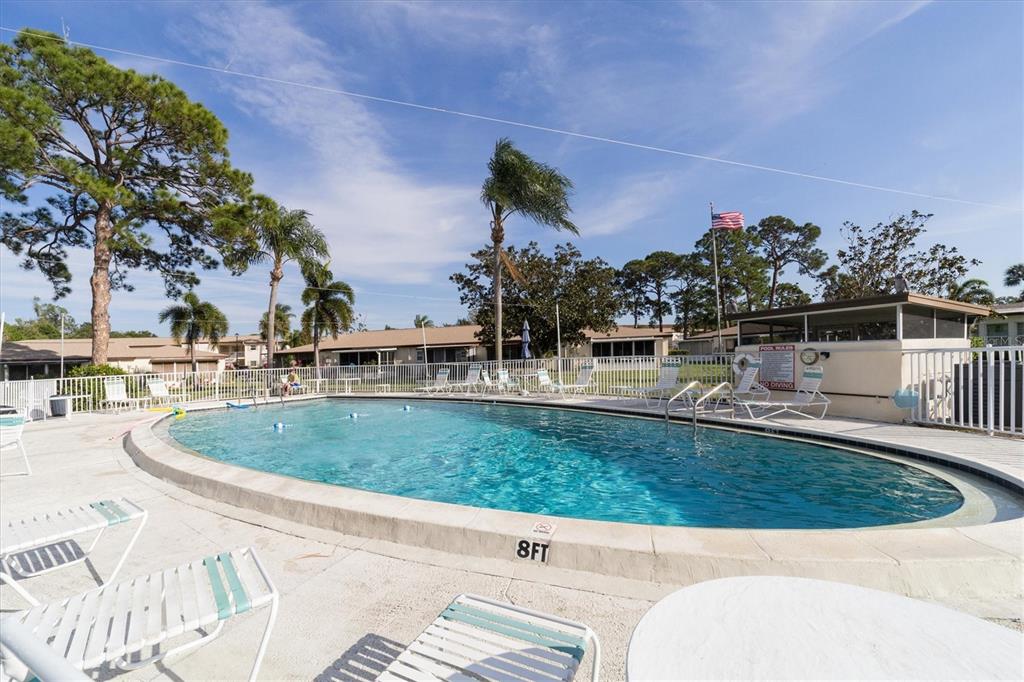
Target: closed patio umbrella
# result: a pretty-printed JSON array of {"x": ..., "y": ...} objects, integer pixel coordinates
[{"x": 526, "y": 340}]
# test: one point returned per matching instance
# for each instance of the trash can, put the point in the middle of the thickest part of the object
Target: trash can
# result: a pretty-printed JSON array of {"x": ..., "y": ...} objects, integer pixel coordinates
[{"x": 59, "y": 406}]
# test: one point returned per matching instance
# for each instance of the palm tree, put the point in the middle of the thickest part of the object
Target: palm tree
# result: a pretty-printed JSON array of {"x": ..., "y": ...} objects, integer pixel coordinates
[
  {"x": 422, "y": 321},
  {"x": 282, "y": 323},
  {"x": 194, "y": 319},
  {"x": 972, "y": 291},
  {"x": 329, "y": 304},
  {"x": 280, "y": 236},
  {"x": 518, "y": 184},
  {"x": 1015, "y": 277}
]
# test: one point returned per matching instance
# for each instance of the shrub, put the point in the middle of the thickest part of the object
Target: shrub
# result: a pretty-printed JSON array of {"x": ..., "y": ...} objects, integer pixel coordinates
[{"x": 96, "y": 371}]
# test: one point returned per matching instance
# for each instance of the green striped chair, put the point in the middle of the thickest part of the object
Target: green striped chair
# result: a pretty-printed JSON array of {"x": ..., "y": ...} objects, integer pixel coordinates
[
  {"x": 481, "y": 639},
  {"x": 12, "y": 425},
  {"x": 806, "y": 401},
  {"x": 132, "y": 624},
  {"x": 42, "y": 543}
]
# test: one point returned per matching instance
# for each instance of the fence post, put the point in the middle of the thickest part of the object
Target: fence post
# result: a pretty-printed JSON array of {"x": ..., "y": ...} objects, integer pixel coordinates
[{"x": 990, "y": 379}]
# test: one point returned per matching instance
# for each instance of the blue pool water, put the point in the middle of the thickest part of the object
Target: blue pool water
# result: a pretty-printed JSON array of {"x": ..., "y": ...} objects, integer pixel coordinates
[{"x": 567, "y": 463}]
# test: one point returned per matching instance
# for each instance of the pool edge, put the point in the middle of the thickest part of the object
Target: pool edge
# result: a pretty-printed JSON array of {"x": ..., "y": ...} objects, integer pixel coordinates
[{"x": 981, "y": 562}]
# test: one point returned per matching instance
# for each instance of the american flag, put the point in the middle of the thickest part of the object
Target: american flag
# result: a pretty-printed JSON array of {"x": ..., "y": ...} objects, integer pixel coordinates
[{"x": 730, "y": 220}]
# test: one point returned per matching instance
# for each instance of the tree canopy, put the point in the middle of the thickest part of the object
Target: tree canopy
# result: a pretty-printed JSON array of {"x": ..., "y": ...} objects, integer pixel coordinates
[
  {"x": 328, "y": 305},
  {"x": 194, "y": 320},
  {"x": 517, "y": 184},
  {"x": 782, "y": 242},
  {"x": 872, "y": 259},
  {"x": 113, "y": 161},
  {"x": 584, "y": 290}
]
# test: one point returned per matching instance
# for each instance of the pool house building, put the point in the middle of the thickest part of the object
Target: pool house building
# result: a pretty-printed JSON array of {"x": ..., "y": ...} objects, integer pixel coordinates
[{"x": 868, "y": 348}]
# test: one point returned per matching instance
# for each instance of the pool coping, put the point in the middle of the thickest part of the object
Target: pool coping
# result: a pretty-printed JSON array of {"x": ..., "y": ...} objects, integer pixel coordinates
[{"x": 978, "y": 561}]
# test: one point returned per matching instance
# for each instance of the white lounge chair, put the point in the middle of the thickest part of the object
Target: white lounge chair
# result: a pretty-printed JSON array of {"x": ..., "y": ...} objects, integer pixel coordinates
[
  {"x": 481, "y": 639},
  {"x": 583, "y": 382},
  {"x": 117, "y": 623},
  {"x": 440, "y": 382},
  {"x": 12, "y": 427},
  {"x": 807, "y": 395},
  {"x": 158, "y": 392},
  {"x": 42, "y": 543},
  {"x": 668, "y": 379},
  {"x": 748, "y": 387},
  {"x": 486, "y": 385},
  {"x": 472, "y": 379},
  {"x": 544, "y": 382},
  {"x": 117, "y": 395},
  {"x": 506, "y": 383}
]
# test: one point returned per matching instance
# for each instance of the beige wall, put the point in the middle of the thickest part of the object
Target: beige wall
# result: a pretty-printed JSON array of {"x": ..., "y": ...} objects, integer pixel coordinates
[{"x": 861, "y": 375}]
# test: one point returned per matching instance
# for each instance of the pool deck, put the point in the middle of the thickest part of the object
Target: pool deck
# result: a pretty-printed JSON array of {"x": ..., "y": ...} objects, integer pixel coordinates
[{"x": 348, "y": 601}]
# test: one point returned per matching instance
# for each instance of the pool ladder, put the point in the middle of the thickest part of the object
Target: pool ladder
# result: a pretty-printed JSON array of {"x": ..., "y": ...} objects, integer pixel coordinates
[{"x": 722, "y": 388}]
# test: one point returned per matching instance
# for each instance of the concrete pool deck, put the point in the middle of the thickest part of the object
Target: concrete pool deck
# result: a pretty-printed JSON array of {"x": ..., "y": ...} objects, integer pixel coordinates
[{"x": 347, "y": 599}]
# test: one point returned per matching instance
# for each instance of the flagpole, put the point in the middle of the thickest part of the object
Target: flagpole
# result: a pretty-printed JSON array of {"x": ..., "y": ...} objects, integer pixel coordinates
[{"x": 718, "y": 297}]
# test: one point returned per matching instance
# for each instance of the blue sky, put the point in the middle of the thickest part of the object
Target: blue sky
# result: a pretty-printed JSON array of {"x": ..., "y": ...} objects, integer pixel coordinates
[{"x": 921, "y": 97}]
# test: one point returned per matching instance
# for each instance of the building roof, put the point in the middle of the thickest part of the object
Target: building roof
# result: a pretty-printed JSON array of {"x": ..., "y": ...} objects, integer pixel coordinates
[
  {"x": 628, "y": 332},
  {"x": 726, "y": 331},
  {"x": 160, "y": 349},
  {"x": 459, "y": 335},
  {"x": 382, "y": 339},
  {"x": 1009, "y": 308},
  {"x": 891, "y": 299}
]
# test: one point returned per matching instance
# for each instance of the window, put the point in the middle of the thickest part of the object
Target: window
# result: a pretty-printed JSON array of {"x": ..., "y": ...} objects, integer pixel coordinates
[
  {"x": 252, "y": 363},
  {"x": 618, "y": 349},
  {"x": 949, "y": 324},
  {"x": 996, "y": 334},
  {"x": 252, "y": 347},
  {"x": 918, "y": 322},
  {"x": 871, "y": 324}
]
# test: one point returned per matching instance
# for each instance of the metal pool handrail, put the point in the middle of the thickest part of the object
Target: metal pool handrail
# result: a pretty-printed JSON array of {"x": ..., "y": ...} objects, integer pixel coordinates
[
  {"x": 697, "y": 403},
  {"x": 682, "y": 392}
]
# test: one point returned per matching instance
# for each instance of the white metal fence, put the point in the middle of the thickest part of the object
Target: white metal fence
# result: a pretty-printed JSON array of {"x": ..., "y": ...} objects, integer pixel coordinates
[
  {"x": 87, "y": 393},
  {"x": 979, "y": 388}
]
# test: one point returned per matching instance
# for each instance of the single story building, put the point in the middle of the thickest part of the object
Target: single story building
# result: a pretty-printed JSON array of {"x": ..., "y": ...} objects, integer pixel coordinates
[
  {"x": 1006, "y": 327},
  {"x": 623, "y": 342},
  {"x": 863, "y": 345},
  {"x": 460, "y": 344},
  {"x": 706, "y": 343},
  {"x": 41, "y": 358}
]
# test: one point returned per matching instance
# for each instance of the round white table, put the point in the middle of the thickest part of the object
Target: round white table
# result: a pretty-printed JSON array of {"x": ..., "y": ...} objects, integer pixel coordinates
[{"x": 796, "y": 628}]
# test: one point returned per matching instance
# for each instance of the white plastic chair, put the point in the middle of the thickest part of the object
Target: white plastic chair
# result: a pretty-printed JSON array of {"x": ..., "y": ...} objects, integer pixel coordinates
[
  {"x": 472, "y": 379},
  {"x": 583, "y": 382},
  {"x": 12, "y": 426},
  {"x": 477, "y": 638},
  {"x": 668, "y": 379},
  {"x": 748, "y": 367},
  {"x": 440, "y": 382},
  {"x": 505, "y": 382},
  {"x": 808, "y": 395},
  {"x": 117, "y": 623},
  {"x": 44, "y": 542},
  {"x": 116, "y": 393}
]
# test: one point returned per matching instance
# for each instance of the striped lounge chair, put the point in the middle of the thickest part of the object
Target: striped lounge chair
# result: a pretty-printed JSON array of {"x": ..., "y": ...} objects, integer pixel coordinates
[
  {"x": 45, "y": 542},
  {"x": 478, "y": 639},
  {"x": 132, "y": 623}
]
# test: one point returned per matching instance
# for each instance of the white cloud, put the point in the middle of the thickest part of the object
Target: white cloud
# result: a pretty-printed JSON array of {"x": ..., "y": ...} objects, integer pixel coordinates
[
  {"x": 383, "y": 222},
  {"x": 634, "y": 199}
]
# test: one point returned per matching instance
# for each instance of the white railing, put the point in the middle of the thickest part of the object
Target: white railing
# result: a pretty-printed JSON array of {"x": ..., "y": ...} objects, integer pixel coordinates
[
  {"x": 261, "y": 384},
  {"x": 977, "y": 388}
]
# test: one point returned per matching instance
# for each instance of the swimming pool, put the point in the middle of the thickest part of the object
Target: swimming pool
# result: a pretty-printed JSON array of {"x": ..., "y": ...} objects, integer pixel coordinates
[{"x": 569, "y": 463}]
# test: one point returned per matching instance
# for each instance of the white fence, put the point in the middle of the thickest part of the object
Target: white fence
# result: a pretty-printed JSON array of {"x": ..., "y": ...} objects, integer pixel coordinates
[
  {"x": 978, "y": 388},
  {"x": 248, "y": 384}
]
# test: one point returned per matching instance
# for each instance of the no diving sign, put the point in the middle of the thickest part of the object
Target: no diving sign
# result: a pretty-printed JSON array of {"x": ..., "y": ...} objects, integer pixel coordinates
[{"x": 537, "y": 544}]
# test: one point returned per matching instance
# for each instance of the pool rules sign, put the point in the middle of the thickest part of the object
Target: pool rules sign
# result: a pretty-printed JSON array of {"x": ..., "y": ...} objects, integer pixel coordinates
[
  {"x": 778, "y": 366},
  {"x": 536, "y": 546}
]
